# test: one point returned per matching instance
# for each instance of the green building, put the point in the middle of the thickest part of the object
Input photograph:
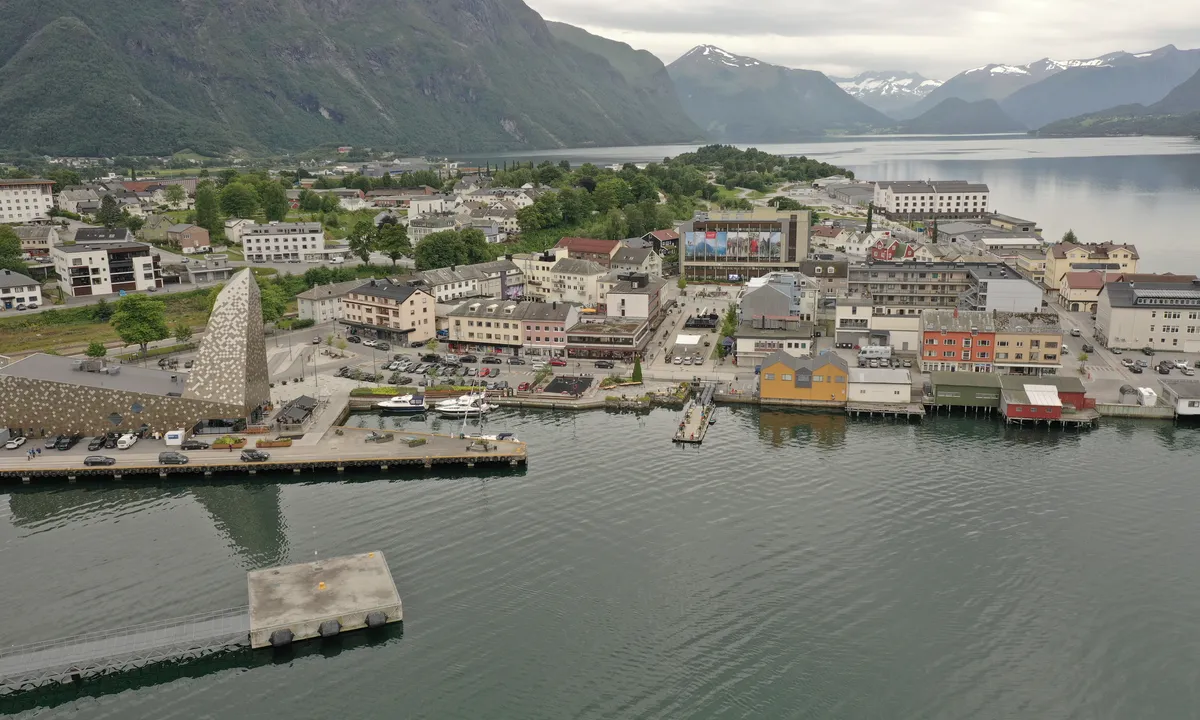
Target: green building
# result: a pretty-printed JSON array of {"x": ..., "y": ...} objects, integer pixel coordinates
[{"x": 966, "y": 390}]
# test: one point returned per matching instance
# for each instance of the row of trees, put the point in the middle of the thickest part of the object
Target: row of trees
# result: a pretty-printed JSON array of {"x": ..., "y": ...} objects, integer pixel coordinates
[{"x": 10, "y": 251}]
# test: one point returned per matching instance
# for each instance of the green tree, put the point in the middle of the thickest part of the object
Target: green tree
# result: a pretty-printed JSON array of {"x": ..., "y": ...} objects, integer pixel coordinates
[
  {"x": 393, "y": 242},
  {"x": 140, "y": 320},
  {"x": 432, "y": 344},
  {"x": 870, "y": 216},
  {"x": 439, "y": 249},
  {"x": 310, "y": 201},
  {"x": 362, "y": 239},
  {"x": 274, "y": 201},
  {"x": 637, "y": 368},
  {"x": 274, "y": 301},
  {"x": 681, "y": 283},
  {"x": 207, "y": 215},
  {"x": 341, "y": 344},
  {"x": 175, "y": 195},
  {"x": 63, "y": 178},
  {"x": 475, "y": 246},
  {"x": 96, "y": 349},
  {"x": 643, "y": 188},
  {"x": 10, "y": 251},
  {"x": 616, "y": 226},
  {"x": 226, "y": 177},
  {"x": 329, "y": 202},
  {"x": 529, "y": 219},
  {"x": 109, "y": 214},
  {"x": 786, "y": 203},
  {"x": 239, "y": 200},
  {"x": 133, "y": 222},
  {"x": 612, "y": 192},
  {"x": 1069, "y": 237},
  {"x": 183, "y": 332}
]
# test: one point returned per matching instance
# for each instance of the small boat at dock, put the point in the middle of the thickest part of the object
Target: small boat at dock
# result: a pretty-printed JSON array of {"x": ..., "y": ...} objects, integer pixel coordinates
[{"x": 404, "y": 405}]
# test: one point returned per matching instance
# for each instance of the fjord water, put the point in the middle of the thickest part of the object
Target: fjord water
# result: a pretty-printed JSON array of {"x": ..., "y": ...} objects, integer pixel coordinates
[
  {"x": 1142, "y": 190},
  {"x": 798, "y": 565}
]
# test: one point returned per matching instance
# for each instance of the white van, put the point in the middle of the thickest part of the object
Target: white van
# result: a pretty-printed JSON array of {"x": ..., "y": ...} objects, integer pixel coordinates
[
  {"x": 126, "y": 441},
  {"x": 336, "y": 260},
  {"x": 875, "y": 352}
]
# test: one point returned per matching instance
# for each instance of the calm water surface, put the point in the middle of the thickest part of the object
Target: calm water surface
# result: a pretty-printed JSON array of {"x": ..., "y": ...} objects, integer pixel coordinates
[
  {"x": 1141, "y": 190},
  {"x": 795, "y": 566}
]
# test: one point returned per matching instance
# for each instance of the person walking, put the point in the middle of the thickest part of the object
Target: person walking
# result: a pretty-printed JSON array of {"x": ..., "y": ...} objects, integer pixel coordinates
[{"x": 230, "y": 447}]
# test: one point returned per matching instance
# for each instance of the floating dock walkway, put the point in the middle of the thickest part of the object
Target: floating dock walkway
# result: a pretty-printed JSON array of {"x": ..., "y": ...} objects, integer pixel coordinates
[
  {"x": 887, "y": 410},
  {"x": 287, "y": 604},
  {"x": 696, "y": 417}
]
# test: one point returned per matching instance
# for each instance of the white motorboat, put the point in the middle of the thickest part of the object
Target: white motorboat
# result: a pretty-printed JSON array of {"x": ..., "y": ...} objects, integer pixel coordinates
[
  {"x": 404, "y": 405},
  {"x": 465, "y": 406}
]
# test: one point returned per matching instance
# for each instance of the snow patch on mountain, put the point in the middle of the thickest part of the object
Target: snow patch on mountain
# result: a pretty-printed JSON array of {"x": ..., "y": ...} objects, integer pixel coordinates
[
  {"x": 887, "y": 84},
  {"x": 717, "y": 55}
]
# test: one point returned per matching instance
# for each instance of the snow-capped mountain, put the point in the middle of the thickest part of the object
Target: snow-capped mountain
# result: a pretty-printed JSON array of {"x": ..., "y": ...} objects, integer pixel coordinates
[
  {"x": 888, "y": 91},
  {"x": 740, "y": 99}
]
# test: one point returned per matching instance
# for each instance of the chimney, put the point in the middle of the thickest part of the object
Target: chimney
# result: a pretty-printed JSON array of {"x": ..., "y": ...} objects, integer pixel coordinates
[{"x": 554, "y": 305}]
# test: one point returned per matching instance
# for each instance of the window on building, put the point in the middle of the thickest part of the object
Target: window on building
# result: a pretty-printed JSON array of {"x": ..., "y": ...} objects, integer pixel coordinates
[{"x": 769, "y": 376}]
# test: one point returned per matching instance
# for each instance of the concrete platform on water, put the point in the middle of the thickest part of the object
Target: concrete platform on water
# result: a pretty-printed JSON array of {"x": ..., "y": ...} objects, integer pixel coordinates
[{"x": 301, "y": 598}]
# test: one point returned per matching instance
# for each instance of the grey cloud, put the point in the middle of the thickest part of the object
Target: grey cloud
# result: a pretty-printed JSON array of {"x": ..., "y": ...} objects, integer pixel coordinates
[{"x": 937, "y": 38}]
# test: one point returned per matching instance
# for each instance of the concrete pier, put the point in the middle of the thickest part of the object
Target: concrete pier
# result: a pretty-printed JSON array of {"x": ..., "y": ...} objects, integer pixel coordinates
[{"x": 321, "y": 599}]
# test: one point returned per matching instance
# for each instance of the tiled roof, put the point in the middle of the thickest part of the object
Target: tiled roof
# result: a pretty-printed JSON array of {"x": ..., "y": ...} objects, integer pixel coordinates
[
  {"x": 332, "y": 290},
  {"x": 1095, "y": 251},
  {"x": 664, "y": 235},
  {"x": 810, "y": 363},
  {"x": 8, "y": 279},
  {"x": 589, "y": 245},
  {"x": 573, "y": 266},
  {"x": 385, "y": 289}
]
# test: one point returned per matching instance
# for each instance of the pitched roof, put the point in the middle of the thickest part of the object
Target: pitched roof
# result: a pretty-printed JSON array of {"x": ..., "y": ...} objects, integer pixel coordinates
[
  {"x": 884, "y": 376},
  {"x": 809, "y": 363},
  {"x": 1090, "y": 280},
  {"x": 826, "y": 231},
  {"x": 8, "y": 279},
  {"x": 574, "y": 266},
  {"x": 589, "y": 245},
  {"x": 1095, "y": 251},
  {"x": 331, "y": 290},
  {"x": 664, "y": 235},
  {"x": 385, "y": 289},
  {"x": 632, "y": 256},
  {"x": 92, "y": 234},
  {"x": 1158, "y": 295},
  {"x": 33, "y": 232}
]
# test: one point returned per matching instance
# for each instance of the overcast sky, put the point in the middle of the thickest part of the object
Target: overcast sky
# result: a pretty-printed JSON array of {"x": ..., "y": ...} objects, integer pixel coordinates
[{"x": 937, "y": 38}]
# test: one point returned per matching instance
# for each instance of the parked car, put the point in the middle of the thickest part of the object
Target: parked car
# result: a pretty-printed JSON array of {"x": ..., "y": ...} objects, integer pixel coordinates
[
  {"x": 96, "y": 443},
  {"x": 538, "y": 366},
  {"x": 516, "y": 361},
  {"x": 485, "y": 372},
  {"x": 1115, "y": 351},
  {"x": 1128, "y": 362},
  {"x": 369, "y": 343},
  {"x": 687, "y": 360},
  {"x": 472, "y": 372},
  {"x": 14, "y": 443},
  {"x": 255, "y": 456},
  {"x": 172, "y": 458},
  {"x": 1136, "y": 370},
  {"x": 558, "y": 362},
  {"x": 1142, "y": 363},
  {"x": 20, "y": 306},
  {"x": 354, "y": 339},
  {"x": 677, "y": 361},
  {"x": 468, "y": 359},
  {"x": 1147, "y": 350},
  {"x": 523, "y": 387},
  {"x": 110, "y": 440},
  {"x": 605, "y": 364},
  {"x": 1164, "y": 370},
  {"x": 52, "y": 441},
  {"x": 1187, "y": 371},
  {"x": 193, "y": 444},
  {"x": 492, "y": 360},
  {"x": 66, "y": 442},
  {"x": 1180, "y": 364},
  {"x": 316, "y": 340},
  {"x": 431, "y": 358},
  {"x": 91, "y": 460},
  {"x": 495, "y": 372},
  {"x": 1075, "y": 332},
  {"x": 417, "y": 343},
  {"x": 382, "y": 346},
  {"x": 1088, "y": 348},
  {"x": 126, "y": 441},
  {"x": 907, "y": 363}
]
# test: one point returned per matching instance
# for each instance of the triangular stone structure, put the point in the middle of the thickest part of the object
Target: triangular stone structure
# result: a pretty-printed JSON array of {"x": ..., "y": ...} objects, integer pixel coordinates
[{"x": 231, "y": 365}]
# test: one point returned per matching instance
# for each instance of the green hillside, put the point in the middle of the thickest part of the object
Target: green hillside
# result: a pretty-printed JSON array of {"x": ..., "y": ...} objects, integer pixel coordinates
[{"x": 147, "y": 76}]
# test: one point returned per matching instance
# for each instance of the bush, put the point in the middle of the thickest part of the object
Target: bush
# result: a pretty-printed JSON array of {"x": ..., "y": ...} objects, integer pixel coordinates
[{"x": 302, "y": 323}]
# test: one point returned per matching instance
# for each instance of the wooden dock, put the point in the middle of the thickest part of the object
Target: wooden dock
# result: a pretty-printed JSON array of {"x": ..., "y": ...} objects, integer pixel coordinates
[
  {"x": 339, "y": 450},
  {"x": 696, "y": 416},
  {"x": 907, "y": 411}
]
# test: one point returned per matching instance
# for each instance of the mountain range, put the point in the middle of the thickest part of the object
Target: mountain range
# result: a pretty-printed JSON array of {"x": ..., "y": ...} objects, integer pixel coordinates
[
  {"x": 151, "y": 77},
  {"x": 734, "y": 98},
  {"x": 1176, "y": 114},
  {"x": 145, "y": 76},
  {"x": 889, "y": 91}
]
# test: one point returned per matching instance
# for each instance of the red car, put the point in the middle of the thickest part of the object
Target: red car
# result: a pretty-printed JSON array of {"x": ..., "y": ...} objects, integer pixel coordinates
[
  {"x": 558, "y": 362},
  {"x": 522, "y": 387},
  {"x": 485, "y": 371}
]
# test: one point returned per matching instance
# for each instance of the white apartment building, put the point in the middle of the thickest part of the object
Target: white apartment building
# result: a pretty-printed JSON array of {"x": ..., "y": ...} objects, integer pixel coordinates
[
  {"x": 936, "y": 198},
  {"x": 17, "y": 289},
  {"x": 283, "y": 241},
  {"x": 106, "y": 268},
  {"x": 25, "y": 200},
  {"x": 322, "y": 303},
  {"x": 1160, "y": 315}
]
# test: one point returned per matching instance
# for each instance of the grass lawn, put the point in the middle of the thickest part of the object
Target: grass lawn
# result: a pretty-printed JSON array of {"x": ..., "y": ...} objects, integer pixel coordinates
[
  {"x": 16, "y": 336},
  {"x": 233, "y": 251}
]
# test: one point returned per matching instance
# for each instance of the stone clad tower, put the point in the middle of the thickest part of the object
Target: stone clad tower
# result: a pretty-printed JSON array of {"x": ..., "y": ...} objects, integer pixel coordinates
[{"x": 231, "y": 365}]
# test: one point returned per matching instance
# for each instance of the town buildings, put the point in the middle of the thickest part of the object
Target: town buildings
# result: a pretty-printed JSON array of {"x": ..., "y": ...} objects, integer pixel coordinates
[
  {"x": 191, "y": 239},
  {"x": 639, "y": 260},
  {"x": 426, "y": 225},
  {"x": 907, "y": 288},
  {"x": 620, "y": 339},
  {"x": 957, "y": 341},
  {"x": 1065, "y": 257},
  {"x": 210, "y": 268},
  {"x": 36, "y": 240},
  {"x": 662, "y": 241},
  {"x": 388, "y": 311},
  {"x": 997, "y": 287},
  {"x": 1159, "y": 315},
  {"x": 283, "y": 241},
  {"x": 1027, "y": 343},
  {"x": 879, "y": 385},
  {"x": 734, "y": 246},
  {"x": 755, "y": 340},
  {"x": 103, "y": 235},
  {"x": 818, "y": 378},
  {"x": 17, "y": 289},
  {"x": 323, "y": 303},
  {"x": 104, "y": 268},
  {"x": 831, "y": 276},
  {"x": 916, "y": 200},
  {"x": 498, "y": 278},
  {"x": 779, "y": 296},
  {"x": 553, "y": 276},
  {"x": 544, "y": 328},
  {"x": 26, "y": 200},
  {"x": 1184, "y": 395},
  {"x": 598, "y": 251},
  {"x": 505, "y": 326},
  {"x": 636, "y": 296}
]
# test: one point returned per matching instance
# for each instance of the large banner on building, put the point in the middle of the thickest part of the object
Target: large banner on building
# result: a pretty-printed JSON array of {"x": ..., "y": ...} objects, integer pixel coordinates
[{"x": 733, "y": 246}]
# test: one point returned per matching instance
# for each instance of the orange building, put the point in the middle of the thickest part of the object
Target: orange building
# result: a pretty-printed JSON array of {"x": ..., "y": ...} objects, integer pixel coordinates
[
  {"x": 820, "y": 377},
  {"x": 957, "y": 341}
]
